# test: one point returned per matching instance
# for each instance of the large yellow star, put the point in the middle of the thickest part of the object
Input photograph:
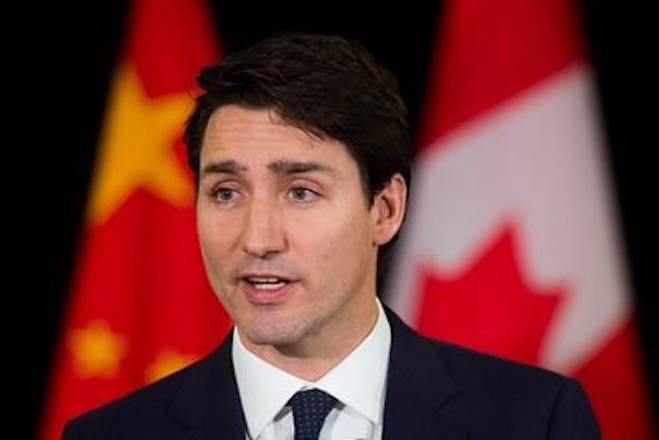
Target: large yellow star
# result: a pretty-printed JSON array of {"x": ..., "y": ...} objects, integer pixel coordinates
[
  {"x": 168, "y": 362},
  {"x": 97, "y": 350},
  {"x": 136, "y": 148}
]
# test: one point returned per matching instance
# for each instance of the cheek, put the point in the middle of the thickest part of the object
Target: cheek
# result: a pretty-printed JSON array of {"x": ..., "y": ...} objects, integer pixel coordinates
[
  {"x": 216, "y": 238},
  {"x": 215, "y": 242},
  {"x": 334, "y": 237}
]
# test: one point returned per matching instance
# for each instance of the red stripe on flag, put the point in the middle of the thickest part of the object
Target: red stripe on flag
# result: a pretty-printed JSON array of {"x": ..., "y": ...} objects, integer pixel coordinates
[
  {"x": 490, "y": 51},
  {"x": 168, "y": 42},
  {"x": 615, "y": 384}
]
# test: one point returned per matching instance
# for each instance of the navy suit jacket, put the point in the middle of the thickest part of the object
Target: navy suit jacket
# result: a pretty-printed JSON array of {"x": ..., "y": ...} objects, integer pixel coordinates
[{"x": 434, "y": 391}]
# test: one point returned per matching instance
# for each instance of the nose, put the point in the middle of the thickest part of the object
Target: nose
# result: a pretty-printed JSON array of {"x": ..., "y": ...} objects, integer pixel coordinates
[{"x": 263, "y": 234}]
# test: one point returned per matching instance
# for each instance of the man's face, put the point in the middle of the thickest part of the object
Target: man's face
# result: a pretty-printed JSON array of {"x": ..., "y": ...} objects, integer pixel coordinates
[{"x": 286, "y": 236}]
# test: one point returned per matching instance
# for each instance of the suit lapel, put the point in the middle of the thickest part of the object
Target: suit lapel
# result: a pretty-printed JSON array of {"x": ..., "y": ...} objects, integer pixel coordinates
[
  {"x": 418, "y": 388},
  {"x": 208, "y": 402}
]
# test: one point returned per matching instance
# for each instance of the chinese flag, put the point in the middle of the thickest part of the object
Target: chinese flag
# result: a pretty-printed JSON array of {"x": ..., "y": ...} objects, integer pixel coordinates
[
  {"x": 140, "y": 306},
  {"x": 512, "y": 245}
]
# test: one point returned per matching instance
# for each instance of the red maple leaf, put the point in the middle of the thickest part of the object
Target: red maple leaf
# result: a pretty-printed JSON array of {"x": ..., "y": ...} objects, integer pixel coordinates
[{"x": 489, "y": 307}]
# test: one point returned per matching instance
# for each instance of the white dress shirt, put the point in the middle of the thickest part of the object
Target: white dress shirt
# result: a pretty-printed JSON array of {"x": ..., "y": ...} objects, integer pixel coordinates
[{"x": 358, "y": 382}]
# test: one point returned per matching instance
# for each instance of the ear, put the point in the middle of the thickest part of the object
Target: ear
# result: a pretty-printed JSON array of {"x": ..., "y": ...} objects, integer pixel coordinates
[{"x": 388, "y": 210}]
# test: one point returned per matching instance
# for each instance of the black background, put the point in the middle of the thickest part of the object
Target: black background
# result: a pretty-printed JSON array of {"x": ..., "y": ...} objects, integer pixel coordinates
[{"x": 63, "y": 65}]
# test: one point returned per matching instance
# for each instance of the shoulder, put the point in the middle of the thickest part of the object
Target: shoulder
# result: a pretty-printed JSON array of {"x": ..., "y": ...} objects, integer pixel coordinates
[
  {"x": 490, "y": 394},
  {"x": 496, "y": 376},
  {"x": 522, "y": 396},
  {"x": 150, "y": 409},
  {"x": 487, "y": 372},
  {"x": 471, "y": 371}
]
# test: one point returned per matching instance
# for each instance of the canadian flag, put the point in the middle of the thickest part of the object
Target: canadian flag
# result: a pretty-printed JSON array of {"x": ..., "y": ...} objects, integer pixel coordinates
[{"x": 511, "y": 246}]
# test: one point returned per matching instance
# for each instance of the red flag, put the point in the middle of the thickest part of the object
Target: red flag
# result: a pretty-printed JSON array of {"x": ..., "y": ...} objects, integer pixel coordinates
[
  {"x": 512, "y": 246},
  {"x": 141, "y": 307}
]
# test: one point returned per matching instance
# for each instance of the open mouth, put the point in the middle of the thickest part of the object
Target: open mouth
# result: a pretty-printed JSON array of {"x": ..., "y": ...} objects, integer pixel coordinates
[{"x": 267, "y": 283}]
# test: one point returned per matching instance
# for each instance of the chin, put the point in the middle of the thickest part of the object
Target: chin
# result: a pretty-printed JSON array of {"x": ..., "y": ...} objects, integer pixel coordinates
[{"x": 271, "y": 333}]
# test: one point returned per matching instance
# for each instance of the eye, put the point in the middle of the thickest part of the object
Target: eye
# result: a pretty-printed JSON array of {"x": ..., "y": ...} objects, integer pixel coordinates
[
  {"x": 224, "y": 195},
  {"x": 302, "y": 194}
]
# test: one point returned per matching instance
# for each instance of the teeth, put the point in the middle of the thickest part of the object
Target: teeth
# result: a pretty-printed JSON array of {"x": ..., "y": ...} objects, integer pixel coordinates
[
  {"x": 264, "y": 280},
  {"x": 267, "y": 283},
  {"x": 269, "y": 286}
]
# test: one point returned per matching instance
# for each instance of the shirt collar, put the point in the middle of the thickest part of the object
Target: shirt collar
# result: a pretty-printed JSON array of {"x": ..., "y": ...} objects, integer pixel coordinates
[{"x": 358, "y": 381}]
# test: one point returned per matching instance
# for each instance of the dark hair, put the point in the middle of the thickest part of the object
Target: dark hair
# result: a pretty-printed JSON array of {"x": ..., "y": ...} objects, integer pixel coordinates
[{"x": 326, "y": 85}]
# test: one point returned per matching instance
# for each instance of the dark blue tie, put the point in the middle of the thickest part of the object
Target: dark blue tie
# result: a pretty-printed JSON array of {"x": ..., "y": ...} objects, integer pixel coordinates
[{"x": 310, "y": 407}]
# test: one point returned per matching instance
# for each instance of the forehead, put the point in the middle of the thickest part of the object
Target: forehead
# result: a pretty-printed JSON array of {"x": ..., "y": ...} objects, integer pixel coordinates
[{"x": 235, "y": 132}]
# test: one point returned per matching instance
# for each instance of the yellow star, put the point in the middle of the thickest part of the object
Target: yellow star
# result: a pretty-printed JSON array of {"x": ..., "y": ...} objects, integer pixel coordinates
[
  {"x": 168, "y": 362},
  {"x": 137, "y": 148},
  {"x": 97, "y": 351}
]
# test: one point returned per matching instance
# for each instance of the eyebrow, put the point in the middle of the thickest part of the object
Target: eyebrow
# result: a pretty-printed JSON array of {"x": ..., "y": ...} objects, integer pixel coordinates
[
  {"x": 295, "y": 167},
  {"x": 226, "y": 167},
  {"x": 282, "y": 167}
]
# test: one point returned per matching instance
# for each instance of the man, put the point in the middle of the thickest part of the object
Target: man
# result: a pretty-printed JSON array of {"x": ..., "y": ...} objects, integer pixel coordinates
[{"x": 301, "y": 152}]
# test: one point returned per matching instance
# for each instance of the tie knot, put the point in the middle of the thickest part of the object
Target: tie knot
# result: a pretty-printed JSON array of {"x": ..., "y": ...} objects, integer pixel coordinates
[{"x": 310, "y": 407}]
